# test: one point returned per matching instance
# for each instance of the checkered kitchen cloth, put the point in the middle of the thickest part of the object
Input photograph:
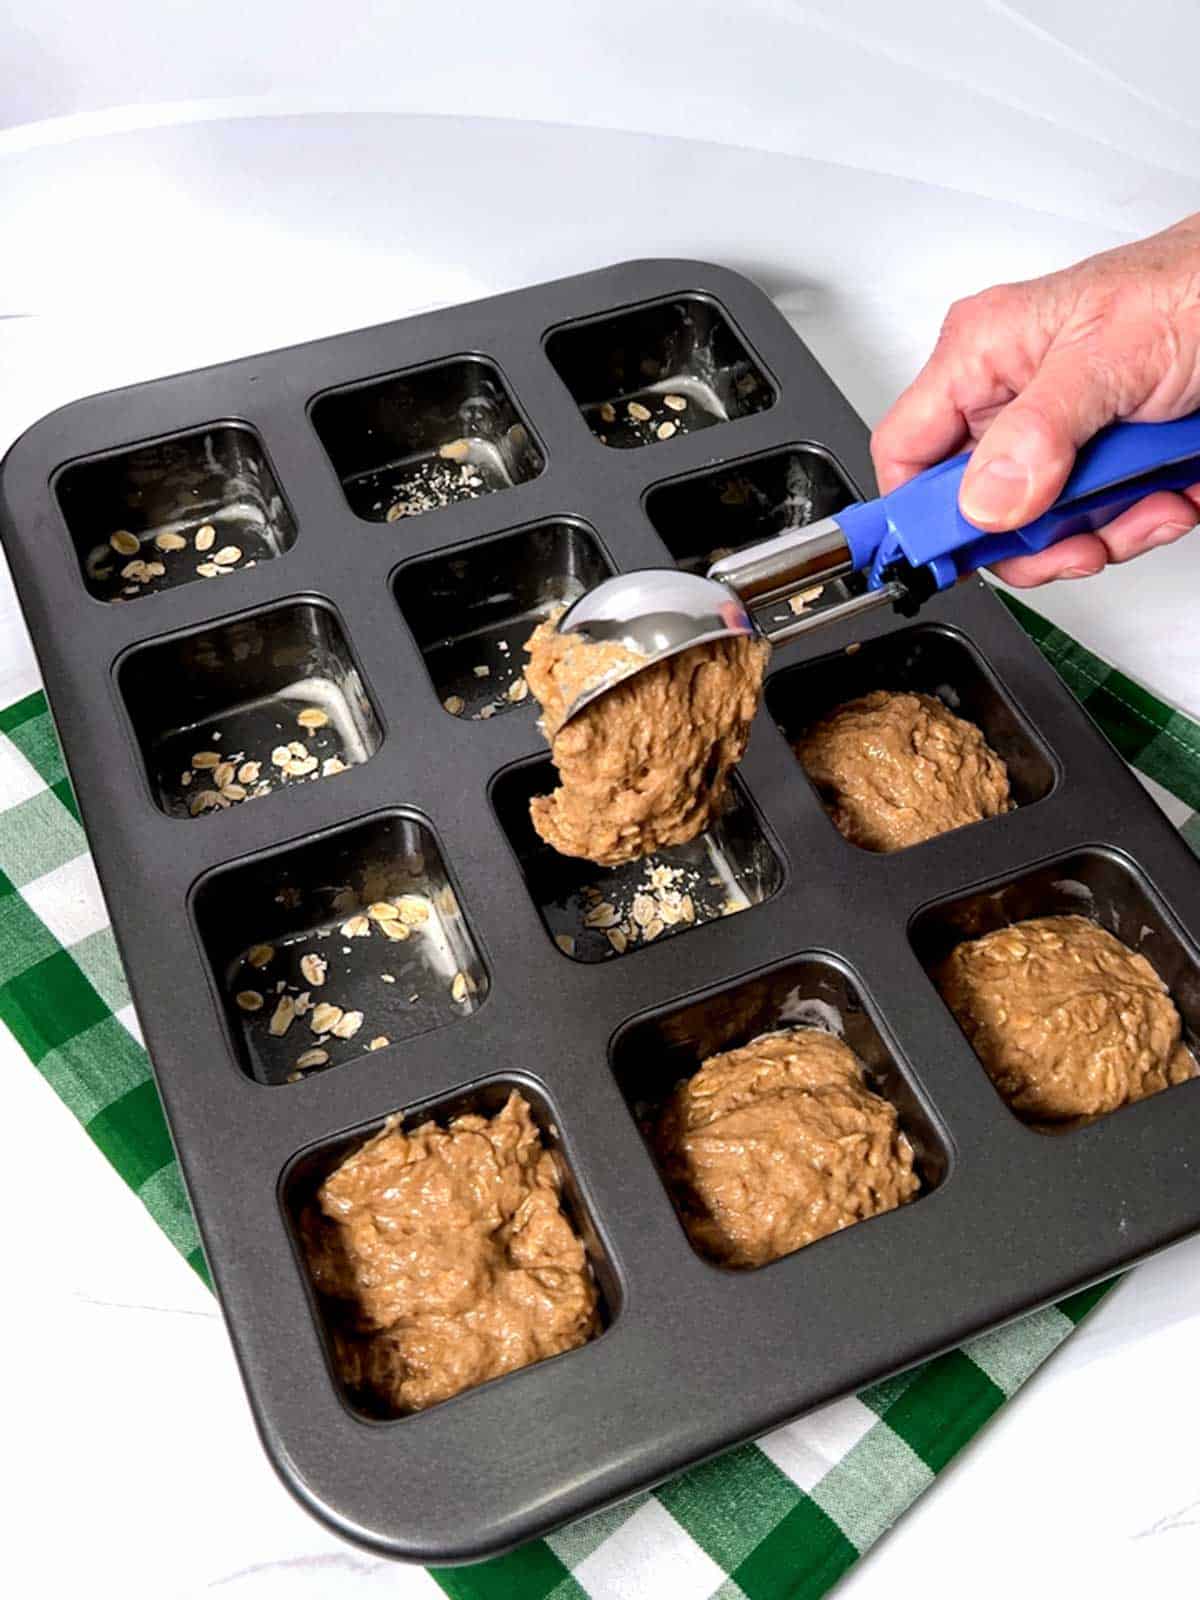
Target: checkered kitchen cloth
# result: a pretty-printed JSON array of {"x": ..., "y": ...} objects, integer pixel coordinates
[{"x": 778, "y": 1520}]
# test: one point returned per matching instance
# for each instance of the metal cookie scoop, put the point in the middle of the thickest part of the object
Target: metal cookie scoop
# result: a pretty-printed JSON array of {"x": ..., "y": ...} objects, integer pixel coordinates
[{"x": 901, "y": 549}]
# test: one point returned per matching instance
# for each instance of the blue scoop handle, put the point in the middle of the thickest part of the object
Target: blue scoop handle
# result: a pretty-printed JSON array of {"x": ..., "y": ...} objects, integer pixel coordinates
[{"x": 920, "y": 522}]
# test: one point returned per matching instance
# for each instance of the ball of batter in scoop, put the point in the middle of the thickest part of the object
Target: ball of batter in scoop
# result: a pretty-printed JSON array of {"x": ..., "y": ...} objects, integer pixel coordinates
[
  {"x": 648, "y": 764},
  {"x": 896, "y": 768},
  {"x": 1068, "y": 1021},
  {"x": 778, "y": 1143}
]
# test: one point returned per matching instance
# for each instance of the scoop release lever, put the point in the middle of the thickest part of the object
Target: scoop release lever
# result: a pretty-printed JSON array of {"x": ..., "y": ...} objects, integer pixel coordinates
[
  {"x": 896, "y": 550},
  {"x": 916, "y": 540}
]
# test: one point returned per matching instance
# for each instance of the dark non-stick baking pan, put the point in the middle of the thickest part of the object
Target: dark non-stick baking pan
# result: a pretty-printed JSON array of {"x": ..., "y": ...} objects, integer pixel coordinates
[{"x": 373, "y": 574}]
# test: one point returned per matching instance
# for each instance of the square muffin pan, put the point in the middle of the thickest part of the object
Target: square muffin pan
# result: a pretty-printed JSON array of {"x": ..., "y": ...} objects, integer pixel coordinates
[{"x": 406, "y": 502}]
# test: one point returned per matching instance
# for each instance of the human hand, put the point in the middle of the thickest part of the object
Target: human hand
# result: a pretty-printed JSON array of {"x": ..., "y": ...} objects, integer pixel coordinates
[{"x": 1030, "y": 371}]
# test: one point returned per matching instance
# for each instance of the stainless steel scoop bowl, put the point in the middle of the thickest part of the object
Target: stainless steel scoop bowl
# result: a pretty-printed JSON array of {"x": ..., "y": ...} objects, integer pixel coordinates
[
  {"x": 660, "y": 612},
  {"x": 654, "y": 614}
]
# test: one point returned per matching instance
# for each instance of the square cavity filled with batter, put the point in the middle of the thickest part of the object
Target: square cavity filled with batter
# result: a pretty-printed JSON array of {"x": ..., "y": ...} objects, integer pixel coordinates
[
  {"x": 929, "y": 659},
  {"x": 659, "y": 372},
  {"x": 599, "y": 913},
  {"x": 1048, "y": 983},
  {"x": 338, "y": 946},
  {"x": 198, "y": 506},
  {"x": 397, "y": 1348},
  {"x": 423, "y": 440},
  {"x": 237, "y": 711},
  {"x": 472, "y": 608},
  {"x": 653, "y": 1055}
]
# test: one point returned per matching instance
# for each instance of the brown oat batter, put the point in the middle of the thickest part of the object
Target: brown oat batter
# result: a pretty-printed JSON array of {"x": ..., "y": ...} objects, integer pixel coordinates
[
  {"x": 1068, "y": 1021},
  {"x": 448, "y": 1258},
  {"x": 647, "y": 765},
  {"x": 897, "y": 768},
  {"x": 778, "y": 1143}
]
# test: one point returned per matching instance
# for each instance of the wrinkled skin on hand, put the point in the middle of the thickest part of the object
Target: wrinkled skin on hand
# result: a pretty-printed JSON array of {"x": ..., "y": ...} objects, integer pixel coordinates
[{"x": 1029, "y": 371}]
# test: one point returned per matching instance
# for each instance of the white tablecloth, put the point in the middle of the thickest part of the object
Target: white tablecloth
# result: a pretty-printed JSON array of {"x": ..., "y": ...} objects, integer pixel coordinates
[{"x": 179, "y": 185}]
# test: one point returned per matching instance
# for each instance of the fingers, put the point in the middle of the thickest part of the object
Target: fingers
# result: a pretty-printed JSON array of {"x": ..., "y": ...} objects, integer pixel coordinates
[
  {"x": 987, "y": 351},
  {"x": 1157, "y": 520},
  {"x": 1080, "y": 556},
  {"x": 1019, "y": 466},
  {"x": 923, "y": 427}
]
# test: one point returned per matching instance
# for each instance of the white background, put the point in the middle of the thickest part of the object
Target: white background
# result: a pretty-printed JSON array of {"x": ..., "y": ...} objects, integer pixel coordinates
[{"x": 180, "y": 184}]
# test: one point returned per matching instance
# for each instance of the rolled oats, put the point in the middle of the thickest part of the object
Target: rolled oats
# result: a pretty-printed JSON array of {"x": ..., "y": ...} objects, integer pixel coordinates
[
  {"x": 325, "y": 1017},
  {"x": 348, "y": 1024},
  {"x": 281, "y": 1017},
  {"x": 313, "y": 968},
  {"x": 413, "y": 910}
]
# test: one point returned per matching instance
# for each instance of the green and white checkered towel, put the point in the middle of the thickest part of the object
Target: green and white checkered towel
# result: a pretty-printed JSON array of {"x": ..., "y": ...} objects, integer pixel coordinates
[{"x": 778, "y": 1520}]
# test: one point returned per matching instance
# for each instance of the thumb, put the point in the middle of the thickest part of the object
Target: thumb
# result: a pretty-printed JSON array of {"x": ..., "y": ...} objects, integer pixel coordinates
[{"x": 1018, "y": 468}]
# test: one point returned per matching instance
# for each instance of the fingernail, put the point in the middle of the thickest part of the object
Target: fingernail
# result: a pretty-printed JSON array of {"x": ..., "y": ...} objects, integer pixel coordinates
[
  {"x": 998, "y": 492},
  {"x": 1167, "y": 533},
  {"x": 1079, "y": 572}
]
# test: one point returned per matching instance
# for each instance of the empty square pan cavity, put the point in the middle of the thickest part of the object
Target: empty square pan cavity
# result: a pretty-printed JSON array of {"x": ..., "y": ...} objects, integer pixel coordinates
[
  {"x": 1096, "y": 882},
  {"x": 305, "y": 1174},
  {"x": 328, "y": 898},
  {"x": 421, "y": 440},
  {"x": 215, "y": 483},
  {"x": 927, "y": 659},
  {"x": 679, "y": 364},
  {"x": 471, "y": 609},
  {"x": 728, "y": 869},
  {"x": 247, "y": 689},
  {"x": 652, "y": 1054},
  {"x": 707, "y": 515}
]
